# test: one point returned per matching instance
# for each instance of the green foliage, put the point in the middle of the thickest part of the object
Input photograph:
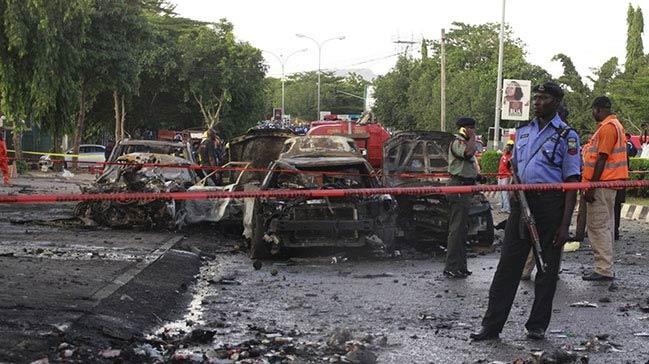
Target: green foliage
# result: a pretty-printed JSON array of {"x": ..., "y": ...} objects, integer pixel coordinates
[
  {"x": 639, "y": 164},
  {"x": 489, "y": 161},
  {"x": 408, "y": 97},
  {"x": 301, "y": 98},
  {"x": 634, "y": 48}
]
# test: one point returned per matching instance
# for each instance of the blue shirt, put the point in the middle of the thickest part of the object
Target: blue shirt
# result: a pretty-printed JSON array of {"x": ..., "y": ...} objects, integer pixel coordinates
[{"x": 537, "y": 159}]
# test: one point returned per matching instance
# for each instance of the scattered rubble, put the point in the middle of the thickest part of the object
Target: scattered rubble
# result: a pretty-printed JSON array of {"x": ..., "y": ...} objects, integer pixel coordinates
[{"x": 584, "y": 304}]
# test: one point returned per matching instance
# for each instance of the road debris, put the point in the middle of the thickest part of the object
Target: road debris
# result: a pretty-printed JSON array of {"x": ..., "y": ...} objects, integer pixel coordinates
[{"x": 583, "y": 304}]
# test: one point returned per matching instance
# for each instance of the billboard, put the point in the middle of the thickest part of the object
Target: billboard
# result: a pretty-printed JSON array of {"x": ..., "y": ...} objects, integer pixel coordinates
[{"x": 516, "y": 100}]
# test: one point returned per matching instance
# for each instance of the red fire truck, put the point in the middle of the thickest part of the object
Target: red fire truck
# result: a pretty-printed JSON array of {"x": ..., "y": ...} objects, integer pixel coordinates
[{"x": 369, "y": 136}]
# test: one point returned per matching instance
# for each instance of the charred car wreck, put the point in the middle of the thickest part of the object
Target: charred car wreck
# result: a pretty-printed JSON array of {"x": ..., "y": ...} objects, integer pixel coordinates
[
  {"x": 414, "y": 159},
  {"x": 315, "y": 163},
  {"x": 131, "y": 174}
]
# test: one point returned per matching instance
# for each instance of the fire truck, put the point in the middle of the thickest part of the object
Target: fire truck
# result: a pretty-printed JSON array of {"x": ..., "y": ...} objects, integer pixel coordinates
[{"x": 369, "y": 136}]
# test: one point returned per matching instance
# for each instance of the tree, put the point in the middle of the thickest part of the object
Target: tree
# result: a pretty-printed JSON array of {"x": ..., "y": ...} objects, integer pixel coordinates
[
  {"x": 634, "y": 48},
  {"x": 408, "y": 97},
  {"x": 578, "y": 95},
  {"x": 40, "y": 60}
]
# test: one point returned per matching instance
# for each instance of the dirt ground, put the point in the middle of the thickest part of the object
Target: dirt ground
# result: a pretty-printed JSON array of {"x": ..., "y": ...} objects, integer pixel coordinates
[{"x": 72, "y": 294}]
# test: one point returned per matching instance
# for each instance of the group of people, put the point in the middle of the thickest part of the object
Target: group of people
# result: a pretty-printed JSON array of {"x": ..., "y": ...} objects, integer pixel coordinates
[{"x": 546, "y": 150}]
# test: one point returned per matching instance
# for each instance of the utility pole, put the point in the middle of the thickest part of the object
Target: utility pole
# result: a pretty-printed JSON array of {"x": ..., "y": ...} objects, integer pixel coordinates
[
  {"x": 407, "y": 44},
  {"x": 499, "y": 82},
  {"x": 442, "y": 93}
]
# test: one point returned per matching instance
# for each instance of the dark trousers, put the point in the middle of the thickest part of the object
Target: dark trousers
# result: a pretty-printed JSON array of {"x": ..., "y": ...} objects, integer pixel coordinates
[
  {"x": 620, "y": 198},
  {"x": 458, "y": 226},
  {"x": 546, "y": 208},
  {"x": 580, "y": 231}
]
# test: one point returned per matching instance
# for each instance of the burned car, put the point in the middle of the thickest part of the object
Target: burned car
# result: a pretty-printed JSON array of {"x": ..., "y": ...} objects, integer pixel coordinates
[
  {"x": 316, "y": 163},
  {"x": 133, "y": 173},
  {"x": 223, "y": 209},
  {"x": 414, "y": 159},
  {"x": 259, "y": 147}
]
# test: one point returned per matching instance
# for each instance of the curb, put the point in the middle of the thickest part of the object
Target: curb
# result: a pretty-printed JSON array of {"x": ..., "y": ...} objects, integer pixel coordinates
[{"x": 635, "y": 212}]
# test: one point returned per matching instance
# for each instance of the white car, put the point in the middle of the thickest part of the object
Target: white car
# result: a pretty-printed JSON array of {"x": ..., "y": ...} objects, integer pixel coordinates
[{"x": 88, "y": 153}]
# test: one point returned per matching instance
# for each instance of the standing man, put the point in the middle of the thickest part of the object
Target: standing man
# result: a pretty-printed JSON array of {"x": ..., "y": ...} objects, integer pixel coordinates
[
  {"x": 463, "y": 171},
  {"x": 208, "y": 154},
  {"x": 605, "y": 160},
  {"x": 620, "y": 196},
  {"x": 4, "y": 160},
  {"x": 505, "y": 175},
  {"x": 546, "y": 151}
]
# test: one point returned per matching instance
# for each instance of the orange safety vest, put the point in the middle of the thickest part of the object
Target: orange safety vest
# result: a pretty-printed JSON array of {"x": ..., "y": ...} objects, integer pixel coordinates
[{"x": 616, "y": 167}]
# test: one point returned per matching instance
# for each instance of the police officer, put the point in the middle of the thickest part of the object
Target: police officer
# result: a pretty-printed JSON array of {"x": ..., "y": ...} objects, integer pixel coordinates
[
  {"x": 463, "y": 171},
  {"x": 546, "y": 151}
]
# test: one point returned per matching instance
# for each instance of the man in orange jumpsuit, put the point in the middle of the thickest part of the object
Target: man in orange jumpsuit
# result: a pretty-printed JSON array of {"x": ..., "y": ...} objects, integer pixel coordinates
[{"x": 4, "y": 166}]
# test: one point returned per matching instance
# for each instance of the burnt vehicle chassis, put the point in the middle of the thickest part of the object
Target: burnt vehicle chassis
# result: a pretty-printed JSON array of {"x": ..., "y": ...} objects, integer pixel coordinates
[
  {"x": 414, "y": 159},
  {"x": 350, "y": 222}
]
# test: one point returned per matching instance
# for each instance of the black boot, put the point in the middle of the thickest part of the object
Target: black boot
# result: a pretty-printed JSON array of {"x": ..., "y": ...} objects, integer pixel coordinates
[{"x": 484, "y": 334}]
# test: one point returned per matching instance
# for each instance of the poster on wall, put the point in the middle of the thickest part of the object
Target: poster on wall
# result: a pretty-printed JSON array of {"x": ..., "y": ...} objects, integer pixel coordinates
[{"x": 516, "y": 100}]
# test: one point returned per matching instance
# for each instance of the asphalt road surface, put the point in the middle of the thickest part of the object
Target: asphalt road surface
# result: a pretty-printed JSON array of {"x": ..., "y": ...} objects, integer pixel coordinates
[{"x": 70, "y": 294}]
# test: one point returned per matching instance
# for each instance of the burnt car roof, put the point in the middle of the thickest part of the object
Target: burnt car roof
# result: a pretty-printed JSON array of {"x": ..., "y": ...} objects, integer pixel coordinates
[
  {"x": 415, "y": 152},
  {"x": 320, "y": 147}
]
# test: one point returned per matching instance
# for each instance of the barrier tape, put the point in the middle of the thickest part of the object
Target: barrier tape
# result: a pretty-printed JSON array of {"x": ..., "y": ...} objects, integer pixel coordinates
[
  {"x": 333, "y": 193},
  {"x": 47, "y": 153},
  {"x": 413, "y": 175}
]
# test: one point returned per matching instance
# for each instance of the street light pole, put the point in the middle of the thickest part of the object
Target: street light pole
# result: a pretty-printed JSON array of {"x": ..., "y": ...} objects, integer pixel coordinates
[
  {"x": 499, "y": 83},
  {"x": 319, "y": 45},
  {"x": 282, "y": 61}
]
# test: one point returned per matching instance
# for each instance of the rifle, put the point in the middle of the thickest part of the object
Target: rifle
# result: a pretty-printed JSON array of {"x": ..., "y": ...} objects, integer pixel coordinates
[{"x": 528, "y": 219}]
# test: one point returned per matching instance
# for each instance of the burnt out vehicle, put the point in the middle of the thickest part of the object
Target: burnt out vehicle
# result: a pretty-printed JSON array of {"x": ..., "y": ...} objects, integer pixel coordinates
[
  {"x": 414, "y": 159},
  {"x": 137, "y": 172},
  {"x": 316, "y": 163},
  {"x": 259, "y": 147}
]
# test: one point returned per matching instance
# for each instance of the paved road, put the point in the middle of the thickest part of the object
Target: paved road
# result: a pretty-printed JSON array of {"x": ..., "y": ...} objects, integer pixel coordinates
[{"x": 71, "y": 291}]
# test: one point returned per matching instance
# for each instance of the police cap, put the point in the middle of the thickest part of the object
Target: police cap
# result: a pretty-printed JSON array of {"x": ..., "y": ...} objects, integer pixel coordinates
[
  {"x": 602, "y": 102},
  {"x": 549, "y": 88},
  {"x": 465, "y": 121}
]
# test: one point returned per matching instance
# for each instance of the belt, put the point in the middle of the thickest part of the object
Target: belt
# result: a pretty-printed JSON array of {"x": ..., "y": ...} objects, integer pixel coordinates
[
  {"x": 544, "y": 193},
  {"x": 464, "y": 180}
]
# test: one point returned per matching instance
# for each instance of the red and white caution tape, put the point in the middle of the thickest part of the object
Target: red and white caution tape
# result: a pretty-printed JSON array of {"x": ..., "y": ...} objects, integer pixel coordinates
[{"x": 333, "y": 193}]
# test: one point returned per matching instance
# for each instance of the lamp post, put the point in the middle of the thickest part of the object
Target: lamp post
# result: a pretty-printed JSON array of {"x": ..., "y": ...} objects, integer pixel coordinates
[
  {"x": 319, "y": 44},
  {"x": 282, "y": 61},
  {"x": 499, "y": 82}
]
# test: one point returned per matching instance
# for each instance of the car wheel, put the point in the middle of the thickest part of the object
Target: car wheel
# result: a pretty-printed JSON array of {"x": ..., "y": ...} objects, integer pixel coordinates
[
  {"x": 486, "y": 238},
  {"x": 259, "y": 248}
]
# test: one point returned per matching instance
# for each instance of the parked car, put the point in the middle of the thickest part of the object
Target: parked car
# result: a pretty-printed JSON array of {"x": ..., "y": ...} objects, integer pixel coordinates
[
  {"x": 89, "y": 156},
  {"x": 314, "y": 163},
  {"x": 413, "y": 159}
]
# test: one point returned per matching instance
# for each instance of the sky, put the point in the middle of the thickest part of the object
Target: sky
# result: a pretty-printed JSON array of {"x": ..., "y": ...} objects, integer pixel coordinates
[{"x": 589, "y": 31}]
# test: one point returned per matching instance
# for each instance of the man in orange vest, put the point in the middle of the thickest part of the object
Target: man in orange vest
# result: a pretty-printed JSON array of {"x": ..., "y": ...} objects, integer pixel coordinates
[{"x": 604, "y": 160}]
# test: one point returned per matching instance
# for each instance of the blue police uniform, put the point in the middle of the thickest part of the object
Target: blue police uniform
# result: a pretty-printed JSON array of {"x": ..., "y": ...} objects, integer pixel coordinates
[{"x": 548, "y": 155}]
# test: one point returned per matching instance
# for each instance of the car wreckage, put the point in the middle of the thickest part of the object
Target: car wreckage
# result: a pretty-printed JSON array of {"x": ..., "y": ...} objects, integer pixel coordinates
[
  {"x": 314, "y": 163},
  {"x": 138, "y": 172},
  {"x": 414, "y": 159}
]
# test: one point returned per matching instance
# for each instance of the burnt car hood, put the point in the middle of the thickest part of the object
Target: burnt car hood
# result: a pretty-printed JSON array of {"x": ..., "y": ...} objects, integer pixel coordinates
[{"x": 415, "y": 153}]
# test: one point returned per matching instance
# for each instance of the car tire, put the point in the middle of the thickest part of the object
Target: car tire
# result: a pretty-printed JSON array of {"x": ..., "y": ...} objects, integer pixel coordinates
[
  {"x": 486, "y": 238},
  {"x": 259, "y": 248}
]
